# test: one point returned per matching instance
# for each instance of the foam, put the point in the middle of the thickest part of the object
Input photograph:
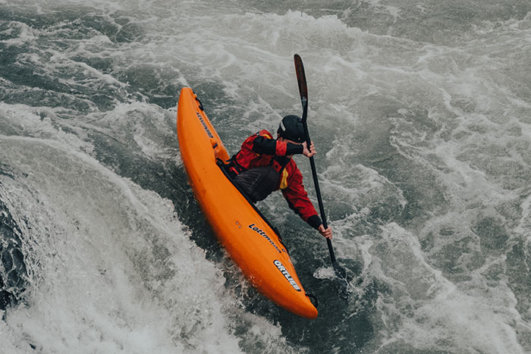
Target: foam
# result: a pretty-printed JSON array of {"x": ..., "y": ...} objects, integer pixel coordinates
[
  {"x": 428, "y": 311},
  {"x": 111, "y": 267},
  {"x": 96, "y": 266}
]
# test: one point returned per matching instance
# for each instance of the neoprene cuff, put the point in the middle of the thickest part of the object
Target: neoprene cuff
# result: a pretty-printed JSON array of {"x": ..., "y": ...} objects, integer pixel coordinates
[{"x": 314, "y": 221}]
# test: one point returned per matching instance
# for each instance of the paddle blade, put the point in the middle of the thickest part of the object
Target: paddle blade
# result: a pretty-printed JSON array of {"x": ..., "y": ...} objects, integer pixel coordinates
[{"x": 301, "y": 78}]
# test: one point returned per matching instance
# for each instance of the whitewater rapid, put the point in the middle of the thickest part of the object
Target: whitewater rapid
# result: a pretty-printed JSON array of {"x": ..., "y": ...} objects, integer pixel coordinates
[{"x": 421, "y": 116}]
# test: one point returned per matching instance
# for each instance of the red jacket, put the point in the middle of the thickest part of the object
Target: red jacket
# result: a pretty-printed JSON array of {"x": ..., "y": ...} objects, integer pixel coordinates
[{"x": 258, "y": 150}]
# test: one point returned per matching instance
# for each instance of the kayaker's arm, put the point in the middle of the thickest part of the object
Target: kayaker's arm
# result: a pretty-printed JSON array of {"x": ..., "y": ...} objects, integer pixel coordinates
[
  {"x": 264, "y": 145},
  {"x": 298, "y": 200}
]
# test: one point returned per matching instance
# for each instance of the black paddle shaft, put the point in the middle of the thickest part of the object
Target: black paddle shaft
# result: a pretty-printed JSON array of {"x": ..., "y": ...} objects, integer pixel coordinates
[{"x": 303, "y": 89}]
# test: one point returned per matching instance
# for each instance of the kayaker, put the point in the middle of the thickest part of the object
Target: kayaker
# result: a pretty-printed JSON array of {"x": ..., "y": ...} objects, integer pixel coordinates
[{"x": 265, "y": 164}]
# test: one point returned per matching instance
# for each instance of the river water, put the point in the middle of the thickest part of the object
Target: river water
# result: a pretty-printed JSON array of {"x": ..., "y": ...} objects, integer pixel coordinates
[{"x": 421, "y": 115}]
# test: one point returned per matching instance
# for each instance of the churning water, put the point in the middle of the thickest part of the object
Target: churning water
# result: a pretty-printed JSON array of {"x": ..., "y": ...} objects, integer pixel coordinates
[{"x": 421, "y": 113}]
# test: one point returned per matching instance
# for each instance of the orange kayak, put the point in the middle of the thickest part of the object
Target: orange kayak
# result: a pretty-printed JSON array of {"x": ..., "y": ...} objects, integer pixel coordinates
[{"x": 246, "y": 235}]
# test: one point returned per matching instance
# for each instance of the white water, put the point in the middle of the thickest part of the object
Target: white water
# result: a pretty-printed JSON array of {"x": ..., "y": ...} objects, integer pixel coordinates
[
  {"x": 101, "y": 247},
  {"x": 423, "y": 137},
  {"x": 111, "y": 267}
]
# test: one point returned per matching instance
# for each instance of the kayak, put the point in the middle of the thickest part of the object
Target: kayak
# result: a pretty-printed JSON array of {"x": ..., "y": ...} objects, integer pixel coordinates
[{"x": 250, "y": 240}]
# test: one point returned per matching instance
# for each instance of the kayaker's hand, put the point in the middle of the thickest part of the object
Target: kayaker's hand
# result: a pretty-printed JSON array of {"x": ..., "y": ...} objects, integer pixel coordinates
[
  {"x": 306, "y": 152},
  {"x": 325, "y": 232}
]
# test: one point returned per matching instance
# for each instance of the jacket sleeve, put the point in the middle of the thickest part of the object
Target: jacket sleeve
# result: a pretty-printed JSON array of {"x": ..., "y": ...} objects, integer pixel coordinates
[
  {"x": 298, "y": 200},
  {"x": 265, "y": 144}
]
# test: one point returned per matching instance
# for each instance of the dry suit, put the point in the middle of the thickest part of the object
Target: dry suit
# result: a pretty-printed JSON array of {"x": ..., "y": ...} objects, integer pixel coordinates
[{"x": 262, "y": 166}]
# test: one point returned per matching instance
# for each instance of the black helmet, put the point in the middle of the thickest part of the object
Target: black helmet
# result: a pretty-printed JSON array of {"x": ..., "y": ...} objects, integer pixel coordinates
[{"x": 291, "y": 128}]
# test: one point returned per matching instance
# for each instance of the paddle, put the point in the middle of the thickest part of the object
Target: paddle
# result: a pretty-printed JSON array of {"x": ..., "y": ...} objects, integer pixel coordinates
[{"x": 303, "y": 89}]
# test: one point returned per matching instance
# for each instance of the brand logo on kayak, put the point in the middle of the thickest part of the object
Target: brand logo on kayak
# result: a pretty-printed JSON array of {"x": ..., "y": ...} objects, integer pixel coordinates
[
  {"x": 204, "y": 124},
  {"x": 286, "y": 274},
  {"x": 264, "y": 235}
]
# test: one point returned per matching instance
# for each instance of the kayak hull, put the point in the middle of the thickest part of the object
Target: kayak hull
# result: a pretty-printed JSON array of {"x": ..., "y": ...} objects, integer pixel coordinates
[{"x": 248, "y": 238}]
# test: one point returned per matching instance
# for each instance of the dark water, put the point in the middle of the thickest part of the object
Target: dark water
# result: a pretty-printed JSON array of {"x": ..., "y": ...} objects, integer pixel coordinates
[{"x": 421, "y": 114}]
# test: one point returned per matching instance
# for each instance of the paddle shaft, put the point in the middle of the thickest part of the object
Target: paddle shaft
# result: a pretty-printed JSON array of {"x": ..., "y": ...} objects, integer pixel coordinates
[
  {"x": 303, "y": 89},
  {"x": 321, "y": 207}
]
